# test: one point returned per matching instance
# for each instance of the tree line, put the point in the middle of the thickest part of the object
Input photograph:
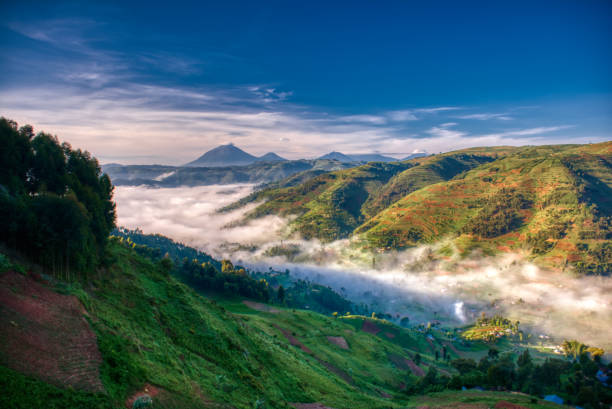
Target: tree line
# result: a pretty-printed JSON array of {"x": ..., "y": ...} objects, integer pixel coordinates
[
  {"x": 574, "y": 379},
  {"x": 56, "y": 205}
]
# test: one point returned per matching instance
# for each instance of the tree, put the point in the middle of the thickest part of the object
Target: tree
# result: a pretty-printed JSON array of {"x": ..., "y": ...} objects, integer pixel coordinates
[
  {"x": 227, "y": 267},
  {"x": 493, "y": 353},
  {"x": 280, "y": 294},
  {"x": 55, "y": 204},
  {"x": 417, "y": 358},
  {"x": 464, "y": 365}
]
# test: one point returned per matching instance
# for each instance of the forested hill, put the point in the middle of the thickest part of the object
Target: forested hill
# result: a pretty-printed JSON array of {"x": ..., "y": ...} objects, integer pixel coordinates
[{"x": 554, "y": 201}]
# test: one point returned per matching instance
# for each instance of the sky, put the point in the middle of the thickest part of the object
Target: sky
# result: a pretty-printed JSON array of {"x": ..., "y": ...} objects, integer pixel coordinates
[{"x": 137, "y": 82}]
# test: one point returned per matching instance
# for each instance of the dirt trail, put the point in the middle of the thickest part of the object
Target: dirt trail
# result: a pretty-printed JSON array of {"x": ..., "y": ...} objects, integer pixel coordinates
[
  {"x": 406, "y": 364},
  {"x": 330, "y": 367},
  {"x": 502, "y": 404},
  {"x": 260, "y": 307},
  {"x": 453, "y": 348},
  {"x": 46, "y": 335}
]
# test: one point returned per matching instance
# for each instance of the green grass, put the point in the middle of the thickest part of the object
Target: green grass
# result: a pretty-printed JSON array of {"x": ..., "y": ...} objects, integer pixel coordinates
[{"x": 212, "y": 352}]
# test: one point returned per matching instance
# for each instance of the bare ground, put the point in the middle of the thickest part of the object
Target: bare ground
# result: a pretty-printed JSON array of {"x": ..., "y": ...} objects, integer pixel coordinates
[
  {"x": 46, "y": 335},
  {"x": 260, "y": 307},
  {"x": 370, "y": 327},
  {"x": 339, "y": 341}
]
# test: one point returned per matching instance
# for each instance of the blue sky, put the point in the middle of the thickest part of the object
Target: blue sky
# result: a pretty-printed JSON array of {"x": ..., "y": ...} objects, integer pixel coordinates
[{"x": 142, "y": 83}]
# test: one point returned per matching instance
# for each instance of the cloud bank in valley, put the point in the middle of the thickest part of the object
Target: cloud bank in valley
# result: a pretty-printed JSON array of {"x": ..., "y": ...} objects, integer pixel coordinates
[{"x": 406, "y": 283}]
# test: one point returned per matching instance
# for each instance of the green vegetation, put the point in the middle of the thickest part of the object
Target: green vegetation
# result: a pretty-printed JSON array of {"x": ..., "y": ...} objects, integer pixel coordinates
[
  {"x": 22, "y": 392},
  {"x": 555, "y": 201},
  {"x": 55, "y": 205},
  {"x": 328, "y": 206},
  {"x": 531, "y": 198},
  {"x": 489, "y": 329},
  {"x": 161, "y": 325}
]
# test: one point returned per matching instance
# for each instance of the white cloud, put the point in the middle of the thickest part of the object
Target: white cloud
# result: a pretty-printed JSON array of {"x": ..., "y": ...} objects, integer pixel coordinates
[
  {"x": 406, "y": 115},
  {"x": 370, "y": 119},
  {"x": 485, "y": 117},
  {"x": 443, "y": 131},
  {"x": 530, "y": 131}
]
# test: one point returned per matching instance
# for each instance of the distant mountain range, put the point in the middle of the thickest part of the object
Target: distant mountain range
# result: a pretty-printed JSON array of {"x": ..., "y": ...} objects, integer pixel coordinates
[
  {"x": 366, "y": 157},
  {"x": 231, "y": 155},
  {"x": 227, "y": 164}
]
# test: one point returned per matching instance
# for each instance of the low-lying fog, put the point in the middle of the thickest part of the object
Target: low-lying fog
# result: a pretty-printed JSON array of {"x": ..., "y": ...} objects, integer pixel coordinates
[{"x": 403, "y": 284}]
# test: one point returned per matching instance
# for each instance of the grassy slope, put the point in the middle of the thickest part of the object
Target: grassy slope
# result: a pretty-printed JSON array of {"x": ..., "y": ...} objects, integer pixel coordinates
[
  {"x": 427, "y": 171},
  {"x": 330, "y": 206},
  {"x": 563, "y": 183},
  {"x": 199, "y": 352}
]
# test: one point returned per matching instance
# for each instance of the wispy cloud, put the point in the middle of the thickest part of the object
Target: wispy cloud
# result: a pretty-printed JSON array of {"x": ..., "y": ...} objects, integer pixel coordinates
[
  {"x": 486, "y": 116},
  {"x": 105, "y": 101},
  {"x": 530, "y": 131}
]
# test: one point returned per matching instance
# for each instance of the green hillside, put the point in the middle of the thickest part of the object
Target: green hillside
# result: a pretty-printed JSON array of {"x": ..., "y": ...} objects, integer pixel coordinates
[
  {"x": 427, "y": 171},
  {"x": 330, "y": 206},
  {"x": 327, "y": 206},
  {"x": 133, "y": 331},
  {"x": 551, "y": 200}
]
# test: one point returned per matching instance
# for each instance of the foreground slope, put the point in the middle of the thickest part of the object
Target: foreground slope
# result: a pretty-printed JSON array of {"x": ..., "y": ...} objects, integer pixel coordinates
[{"x": 135, "y": 331}]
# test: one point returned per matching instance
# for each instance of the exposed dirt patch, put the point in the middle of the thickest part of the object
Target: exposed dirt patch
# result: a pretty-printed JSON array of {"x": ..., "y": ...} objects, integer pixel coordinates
[
  {"x": 293, "y": 340},
  {"x": 260, "y": 307},
  {"x": 330, "y": 367},
  {"x": 389, "y": 335},
  {"x": 406, "y": 364},
  {"x": 339, "y": 341},
  {"x": 452, "y": 348},
  {"x": 45, "y": 334},
  {"x": 502, "y": 404},
  {"x": 148, "y": 389},
  {"x": 370, "y": 327}
]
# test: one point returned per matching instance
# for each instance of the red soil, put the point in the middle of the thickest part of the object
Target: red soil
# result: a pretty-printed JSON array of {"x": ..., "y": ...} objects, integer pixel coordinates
[
  {"x": 46, "y": 335},
  {"x": 502, "y": 404},
  {"x": 406, "y": 364},
  {"x": 370, "y": 327},
  {"x": 389, "y": 335},
  {"x": 338, "y": 341},
  {"x": 260, "y": 307},
  {"x": 293, "y": 340},
  {"x": 148, "y": 389}
]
